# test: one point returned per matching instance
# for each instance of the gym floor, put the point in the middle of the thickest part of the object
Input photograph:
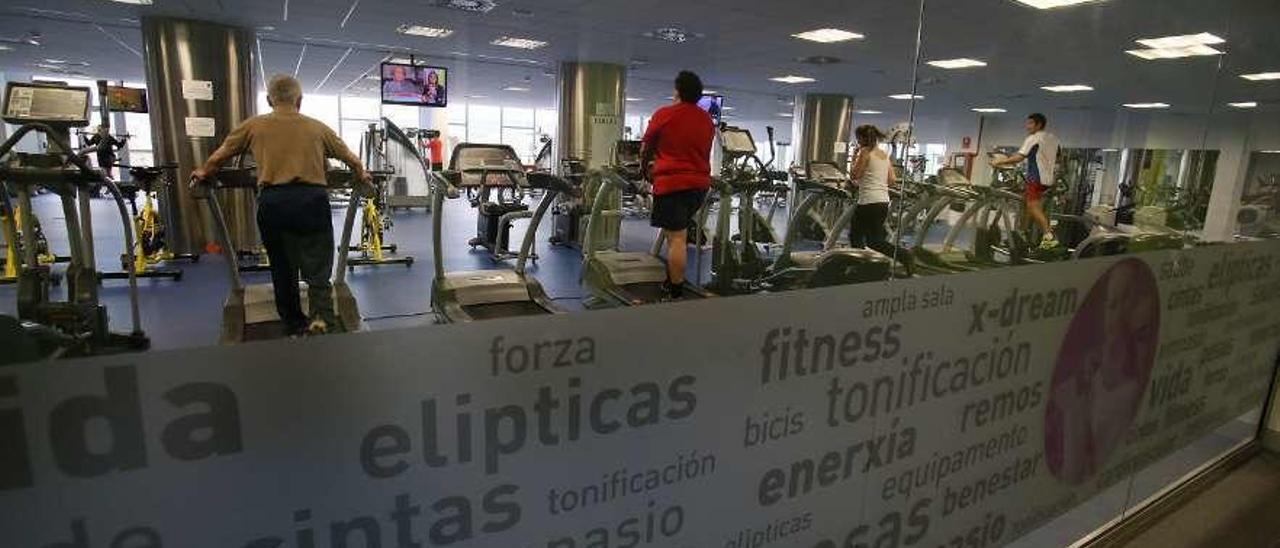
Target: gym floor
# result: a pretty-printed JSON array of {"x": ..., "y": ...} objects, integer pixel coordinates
[{"x": 187, "y": 313}]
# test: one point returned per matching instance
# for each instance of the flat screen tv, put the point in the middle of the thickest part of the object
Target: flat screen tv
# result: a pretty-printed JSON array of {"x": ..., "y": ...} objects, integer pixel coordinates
[
  {"x": 414, "y": 85},
  {"x": 123, "y": 99},
  {"x": 713, "y": 104}
]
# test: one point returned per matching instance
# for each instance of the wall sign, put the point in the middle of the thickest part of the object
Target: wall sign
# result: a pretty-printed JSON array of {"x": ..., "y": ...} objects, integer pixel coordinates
[
  {"x": 200, "y": 127},
  {"x": 963, "y": 409},
  {"x": 197, "y": 90}
]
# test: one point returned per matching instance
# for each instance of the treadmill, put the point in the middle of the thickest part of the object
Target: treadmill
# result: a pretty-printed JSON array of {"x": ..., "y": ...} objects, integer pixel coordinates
[
  {"x": 622, "y": 278},
  {"x": 249, "y": 312},
  {"x": 473, "y": 295}
]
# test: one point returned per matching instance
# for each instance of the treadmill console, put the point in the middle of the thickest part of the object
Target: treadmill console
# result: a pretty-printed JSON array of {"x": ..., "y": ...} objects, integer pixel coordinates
[
  {"x": 63, "y": 106},
  {"x": 824, "y": 172},
  {"x": 487, "y": 165},
  {"x": 737, "y": 141}
]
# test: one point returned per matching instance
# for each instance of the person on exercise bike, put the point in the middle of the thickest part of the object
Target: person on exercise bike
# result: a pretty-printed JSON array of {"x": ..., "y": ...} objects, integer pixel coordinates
[
  {"x": 678, "y": 143},
  {"x": 293, "y": 207},
  {"x": 1040, "y": 151}
]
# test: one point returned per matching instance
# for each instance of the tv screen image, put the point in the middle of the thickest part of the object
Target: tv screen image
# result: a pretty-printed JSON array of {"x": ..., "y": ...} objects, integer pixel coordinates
[
  {"x": 424, "y": 86},
  {"x": 713, "y": 105},
  {"x": 123, "y": 99}
]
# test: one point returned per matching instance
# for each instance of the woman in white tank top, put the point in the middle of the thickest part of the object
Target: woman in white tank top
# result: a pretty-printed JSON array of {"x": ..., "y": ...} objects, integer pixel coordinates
[{"x": 872, "y": 174}]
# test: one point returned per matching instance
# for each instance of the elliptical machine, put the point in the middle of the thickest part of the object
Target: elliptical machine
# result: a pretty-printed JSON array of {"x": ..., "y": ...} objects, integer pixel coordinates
[{"x": 80, "y": 322}]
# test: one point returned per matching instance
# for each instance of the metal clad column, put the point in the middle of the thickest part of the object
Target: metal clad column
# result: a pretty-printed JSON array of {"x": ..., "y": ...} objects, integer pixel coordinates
[
  {"x": 591, "y": 98},
  {"x": 182, "y": 55},
  {"x": 822, "y": 128}
]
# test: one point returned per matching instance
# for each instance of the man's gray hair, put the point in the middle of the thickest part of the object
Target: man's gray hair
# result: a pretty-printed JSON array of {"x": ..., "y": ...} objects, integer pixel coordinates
[{"x": 284, "y": 90}]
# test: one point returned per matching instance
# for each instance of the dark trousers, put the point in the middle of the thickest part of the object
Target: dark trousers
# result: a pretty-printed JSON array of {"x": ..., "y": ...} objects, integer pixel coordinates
[
  {"x": 868, "y": 228},
  {"x": 297, "y": 230}
]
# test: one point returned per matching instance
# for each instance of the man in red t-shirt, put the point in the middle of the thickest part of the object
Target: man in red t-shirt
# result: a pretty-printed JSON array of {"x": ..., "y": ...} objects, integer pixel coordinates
[{"x": 678, "y": 143}]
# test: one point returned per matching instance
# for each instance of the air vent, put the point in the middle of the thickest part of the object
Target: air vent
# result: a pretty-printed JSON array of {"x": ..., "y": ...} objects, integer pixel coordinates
[
  {"x": 819, "y": 60},
  {"x": 472, "y": 6}
]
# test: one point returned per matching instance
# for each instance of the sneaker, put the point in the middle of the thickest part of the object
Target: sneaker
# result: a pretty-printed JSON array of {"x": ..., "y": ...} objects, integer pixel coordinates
[
  {"x": 672, "y": 292},
  {"x": 317, "y": 327},
  {"x": 1049, "y": 242}
]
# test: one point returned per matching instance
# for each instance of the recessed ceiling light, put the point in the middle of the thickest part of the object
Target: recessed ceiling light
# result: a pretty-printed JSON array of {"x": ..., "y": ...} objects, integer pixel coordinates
[
  {"x": 1050, "y": 4},
  {"x": 957, "y": 63},
  {"x": 515, "y": 88},
  {"x": 634, "y": 99},
  {"x": 1146, "y": 105},
  {"x": 785, "y": 114},
  {"x": 1269, "y": 151},
  {"x": 1182, "y": 41},
  {"x": 675, "y": 35},
  {"x": 906, "y": 97},
  {"x": 473, "y": 6},
  {"x": 267, "y": 28},
  {"x": 1249, "y": 104},
  {"x": 706, "y": 91},
  {"x": 477, "y": 96},
  {"x": 5, "y": 48},
  {"x": 424, "y": 31},
  {"x": 1067, "y": 88},
  {"x": 989, "y": 110},
  {"x": 134, "y": 2},
  {"x": 792, "y": 79},
  {"x": 867, "y": 112},
  {"x": 726, "y": 108},
  {"x": 1175, "y": 53},
  {"x": 1256, "y": 77},
  {"x": 827, "y": 36},
  {"x": 519, "y": 43}
]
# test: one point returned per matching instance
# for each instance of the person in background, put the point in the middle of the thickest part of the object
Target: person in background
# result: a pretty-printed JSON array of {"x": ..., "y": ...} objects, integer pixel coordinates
[
  {"x": 1040, "y": 151},
  {"x": 293, "y": 206},
  {"x": 678, "y": 144},
  {"x": 400, "y": 87},
  {"x": 872, "y": 174}
]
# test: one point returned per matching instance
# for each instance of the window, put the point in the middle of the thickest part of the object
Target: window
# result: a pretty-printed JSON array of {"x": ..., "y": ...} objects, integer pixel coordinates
[
  {"x": 402, "y": 116},
  {"x": 517, "y": 131},
  {"x": 545, "y": 122},
  {"x": 484, "y": 124},
  {"x": 323, "y": 108}
]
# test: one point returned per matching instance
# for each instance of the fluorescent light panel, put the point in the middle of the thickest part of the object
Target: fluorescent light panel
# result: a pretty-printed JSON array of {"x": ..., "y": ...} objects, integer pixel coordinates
[
  {"x": 785, "y": 114},
  {"x": 1182, "y": 41},
  {"x": 960, "y": 63},
  {"x": 424, "y": 31},
  {"x": 1146, "y": 105},
  {"x": 515, "y": 88},
  {"x": 634, "y": 99},
  {"x": 868, "y": 112},
  {"x": 1175, "y": 53},
  {"x": 518, "y": 43},
  {"x": 1067, "y": 88},
  {"x": 1249, "y": 104},
  {"x": 828, "y": 36},
  {"x": 1260, "y": 76},
  {"x": 792, "y": 79},
  {"x": 134, "y": 2},
  {"x": 989, "y": 110},
  {"x": 1051, "y": 4},
  {"x": 905, "y": 96}
]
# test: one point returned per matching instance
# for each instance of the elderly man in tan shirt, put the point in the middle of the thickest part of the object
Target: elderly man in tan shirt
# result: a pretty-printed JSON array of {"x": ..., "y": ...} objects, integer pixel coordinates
[{"x": 293, "y": 206}]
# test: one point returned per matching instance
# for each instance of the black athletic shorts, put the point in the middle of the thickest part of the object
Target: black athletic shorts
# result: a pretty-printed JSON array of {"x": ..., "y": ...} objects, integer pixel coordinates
[{"x": 676, "y": 211}]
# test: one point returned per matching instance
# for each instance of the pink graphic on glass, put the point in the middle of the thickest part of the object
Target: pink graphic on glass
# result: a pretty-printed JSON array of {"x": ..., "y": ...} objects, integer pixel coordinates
[{"x": 1102, "y": 372}]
